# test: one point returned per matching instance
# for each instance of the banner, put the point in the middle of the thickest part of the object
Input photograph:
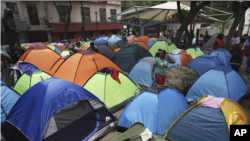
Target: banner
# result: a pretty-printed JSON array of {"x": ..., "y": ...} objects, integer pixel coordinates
[{"x": 152, "y": 31}]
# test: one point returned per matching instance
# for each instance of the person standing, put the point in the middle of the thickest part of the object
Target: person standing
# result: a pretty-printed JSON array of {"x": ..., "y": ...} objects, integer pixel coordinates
[
  {"x": 161, "y": 64},
  {"x": 220, "y": 42},
  {"x": 235, "y": 39},
  {"x": 206, "y": 37}
]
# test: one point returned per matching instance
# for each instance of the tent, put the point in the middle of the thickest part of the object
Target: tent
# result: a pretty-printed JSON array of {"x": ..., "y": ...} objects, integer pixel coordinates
[
  {"x": 220, "y": 81},
  {"x": 116, "y": 50},
  {"x": 114, "y": 39},
  {"x": 57, "y": 50},
  {"x": 81, "y": 66},
  {"x": 224, "y": 55},
  {"x": 120, "y": 43},
  {"x": 180, "y": 78},
  {"x": 113, "y": 45},
  {"x": 134, "y": 134},
  {"x": 163, "y": 45},
  {"x": 57, "y": 64},
  {"x": 155, "y": 111},
  {"x": 130, "y": 37},
  {"x": 195, "y": 52},
  {"x": 86, "y": 43},
  {"x": 204, "y": 63},
  {"x": 37, "y": 44},
  {"x": 150, "y": 43},
  {"x": 181, "y": 58},
  {"x": 86, "y": 47},
  {"x": 209, "y": 44},
  {"x": 104, "y": 38},
  {"x": 128, "y": 56},
  {"x": 113, "y": 94},
  {"x": 142, "y": 38},
  {"x": 100, "y": 41},
  {"x": 57, "y": 110},
  {"x": 60, "y": 46},
  {"x": 105, "y": 50},
  {"x": 28, "y": 79},
  {"x": 12, "y": 74},
  {"x": 65, "y": 53},
  {"x": 141, "y": 72},
  {"x": 43, "y": 58},
  {"x": 128, "y": 44},
  {"x": 244, "y": 103},
  {"x": 133, "y": 39},
  {"x": 209, "y": 119},
  {"x": 8, "y": 100},
  {"x": 141, "y": 43}
]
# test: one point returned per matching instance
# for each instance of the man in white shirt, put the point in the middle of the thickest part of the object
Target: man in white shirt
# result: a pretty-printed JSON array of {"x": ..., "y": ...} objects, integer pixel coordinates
[
  {"x": 77, "y": 48},
  {"x": 235, "y": 39}
]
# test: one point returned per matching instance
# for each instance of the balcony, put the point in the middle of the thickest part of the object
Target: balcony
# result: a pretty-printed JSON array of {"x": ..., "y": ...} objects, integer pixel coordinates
[{"x": 36, "y": 21}]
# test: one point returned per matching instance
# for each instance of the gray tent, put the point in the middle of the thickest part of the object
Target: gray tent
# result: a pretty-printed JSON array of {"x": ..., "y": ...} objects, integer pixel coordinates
[
  {"x": 209, "y": 44},
  {"x": 105, "y": 50}
]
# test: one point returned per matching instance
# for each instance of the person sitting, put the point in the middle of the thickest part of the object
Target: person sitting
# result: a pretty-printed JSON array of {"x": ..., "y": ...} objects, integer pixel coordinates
[
  {"x": 71, "y": 48},
  {"x": 92, "y": 47},
  {"x": 161, "y": 64},
  {"x": 77, "y": 47}
]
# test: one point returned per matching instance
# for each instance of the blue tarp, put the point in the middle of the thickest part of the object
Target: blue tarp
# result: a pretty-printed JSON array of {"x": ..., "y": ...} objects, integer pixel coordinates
[
  {"x": 8, "y": 100},
  {"x": 114, "y": 39},
  {"x": 221, "y": 81},
  {"x": 150, "y": 43},
  {"x": 224, "y": 55},
  {"x": 141, "y": 72},
  {"x": 100, "y": 41},
  {"x": 155, "y": 111},
  {"x": 200, "y": 124},
  {"x": 204, "y": 63}
]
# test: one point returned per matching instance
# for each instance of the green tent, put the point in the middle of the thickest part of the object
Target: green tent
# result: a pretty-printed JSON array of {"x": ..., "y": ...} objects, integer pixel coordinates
[
  {"x": 114, "y": 95},
  {"x": 195, "y": 52},
  {"x": 133, "y": 134},
  {"x": 65, "y": 53},
  {"x": 28, "y": 79},
  {"x": 113, "y": 45},
  {"x": 86, "y": 43},
  {"x": 120, "y": 43},
  {"x": 163, "y": 45}
]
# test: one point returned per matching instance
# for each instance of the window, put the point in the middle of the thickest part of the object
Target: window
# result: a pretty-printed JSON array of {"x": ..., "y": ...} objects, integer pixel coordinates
[
  {"x": 86, "y": 12},
  {"x": 102, "y": 15},
  {"x": 113, "y": 12},
  {"x": 63, "y": 11},
  {"x": 12, "y": 7}
]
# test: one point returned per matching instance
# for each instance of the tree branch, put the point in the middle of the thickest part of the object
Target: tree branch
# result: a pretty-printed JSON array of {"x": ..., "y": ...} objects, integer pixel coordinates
[{"x": 58, "y": 12}]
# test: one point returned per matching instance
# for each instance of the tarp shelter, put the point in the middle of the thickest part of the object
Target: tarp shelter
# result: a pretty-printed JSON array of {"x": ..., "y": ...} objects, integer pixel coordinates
[
  {"x": 180, "y": 78},
  {"x": 56, "y": 109},
  {"x": 12, "y": 74},
  {"x": 134, "y": 134},
  {"x": 141, "y": 43},
  {"x": 195, "y": 52},
  {"x": 163, "y": 45},
  {"x": 113, "y": 94},
  {"x": 220, "y": 81},
  {"x": 8, "y": 100},
  {"x": 155, "y": 111},
  {"x": 105, "y": 50},
  {"x": 128, "y": 56},
  {"x": 204, "y": 63},
  {"x": 100, "y": 41},
  {"x": 141, "y": 72},
  {"x": 43, "y": 58},
  {"x": 114, "y": 39},
  {"x": 28, "y": 79},
  {"x": 209, "y": 44},
  {"x": 224, "y": 55},
  {"x": 209, "y": 119},
  {"x": 181, "y": 58},
  {"x": 79, "y": 67}
]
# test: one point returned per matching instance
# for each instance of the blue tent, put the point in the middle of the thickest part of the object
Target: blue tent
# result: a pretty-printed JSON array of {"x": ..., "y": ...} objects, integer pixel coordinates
[
  {"x": 114, "y": 39},
  {"x": 128, "y": 44},
  {"x": 128, "y": 56},
  {"x": 8, "y": 100},
  {"x": 224, "y": 55},
  {"x": 100, "y": 41},
  {"x": 204, "y": 63},
  {"x": 150, "y": 43},
  {"x": 220, "y": 81},
  {"x": 104, "y": 38},
  {"x": 56, "y": 109},
  {"x": 141, "y": 72},
  {"x": 156, "y": 111}
]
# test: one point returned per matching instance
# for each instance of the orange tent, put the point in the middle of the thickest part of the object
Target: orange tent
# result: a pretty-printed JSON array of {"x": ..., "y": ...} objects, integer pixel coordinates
[
  {"x": 37, "y": 44},
  {"x": 117, "y": 49},
  {"x": 57, "y": 64},
  {"x": 61, "y": 47},
  {"x": 144, "y": 38},
  {"x": 85, "y": 47},
  {"x": 43, "y": 58},
  {"x": 79, "y": 67},
  {"x": 142, "y": 44},
  {"x": 132, "y": 40},
  {"x": 185, "y": 58}
]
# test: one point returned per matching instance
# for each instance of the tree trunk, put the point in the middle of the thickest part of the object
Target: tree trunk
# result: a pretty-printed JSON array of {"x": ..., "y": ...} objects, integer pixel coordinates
[
  {"x": 67, "y": 24},
  {"x": 241, "y": 25},
  {"x": 83, "y": 23},
  {"x": 237, "y": 19},
  {"x": 193, "y": 10}
]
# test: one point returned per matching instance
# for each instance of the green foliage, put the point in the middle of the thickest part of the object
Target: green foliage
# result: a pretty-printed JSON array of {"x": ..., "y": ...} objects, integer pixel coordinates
[
  {"x": 234, "y": 6},
  {"x": 129, "y": 4}
]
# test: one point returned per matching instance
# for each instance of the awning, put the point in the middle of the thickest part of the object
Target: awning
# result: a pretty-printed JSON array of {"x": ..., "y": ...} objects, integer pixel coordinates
[{"x": 40, "y": 29}]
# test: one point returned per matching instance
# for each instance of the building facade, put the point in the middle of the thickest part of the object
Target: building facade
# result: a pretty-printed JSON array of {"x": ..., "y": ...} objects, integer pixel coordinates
[{"x": 93, "y": 22}]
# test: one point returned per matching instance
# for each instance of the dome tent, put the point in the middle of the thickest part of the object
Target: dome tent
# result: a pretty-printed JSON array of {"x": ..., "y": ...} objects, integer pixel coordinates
[
  {"x": 209, "y": 119},
  {"x": 128, "y": 56},
  {"x": 105, "y": 50},
  {"x": 28, "y": 79},
  {"x": 141, "y": 43},
  {"x": 224, "y": 55},
  {"x": 195, "y": 52},
  {"x": 114, "y": 95},
  {"x": 57, "y": 64},
  {"x": 220, "y": 81},
  {"x": 181, "y": 58},
  {"x": 163, "y": 45},
  {"x": 204, "y": 63},
  {"x": 153, "y": 110},
  {"x": 57, "y": 107}
]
